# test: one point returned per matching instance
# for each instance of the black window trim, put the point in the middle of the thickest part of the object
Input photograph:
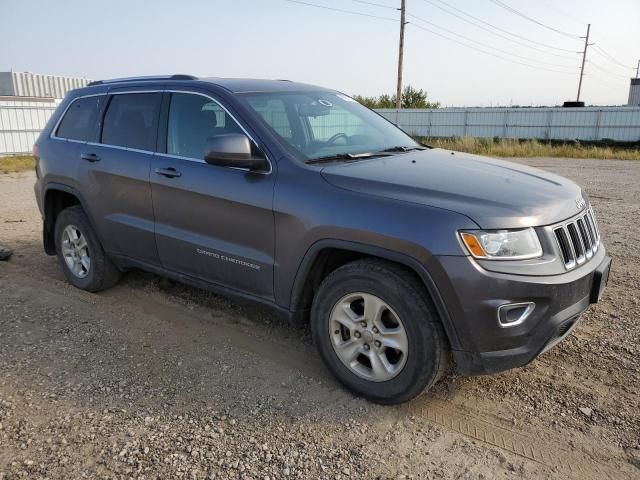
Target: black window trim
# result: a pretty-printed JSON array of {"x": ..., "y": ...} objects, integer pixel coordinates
[
  {"x": 54, "y": 130},
  {"x": 104, "y": 113},
  {"x": 161, "y": 119}
]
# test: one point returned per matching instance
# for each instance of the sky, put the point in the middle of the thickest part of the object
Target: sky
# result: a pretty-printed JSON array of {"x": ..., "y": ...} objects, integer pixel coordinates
[{"x": 355, "y": 54}]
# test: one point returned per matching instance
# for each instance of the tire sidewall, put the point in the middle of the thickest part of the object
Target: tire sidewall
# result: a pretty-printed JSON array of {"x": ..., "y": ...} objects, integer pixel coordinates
[{"x": 421, "y": 367}]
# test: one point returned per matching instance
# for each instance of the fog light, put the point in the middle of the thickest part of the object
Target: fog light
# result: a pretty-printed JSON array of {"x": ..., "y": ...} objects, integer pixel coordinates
[{"x": 513, "y": 314}]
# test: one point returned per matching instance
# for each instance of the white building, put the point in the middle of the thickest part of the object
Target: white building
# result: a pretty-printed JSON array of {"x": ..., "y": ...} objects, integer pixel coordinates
[{"x": 25, "y": 84}]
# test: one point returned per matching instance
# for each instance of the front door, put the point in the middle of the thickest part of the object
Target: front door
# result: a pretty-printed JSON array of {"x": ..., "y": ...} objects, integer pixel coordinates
[{"x": 212, "y": 223}]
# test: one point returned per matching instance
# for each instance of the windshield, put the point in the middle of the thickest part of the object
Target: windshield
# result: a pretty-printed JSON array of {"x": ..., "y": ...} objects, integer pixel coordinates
[{"x": 327, "y": 124}]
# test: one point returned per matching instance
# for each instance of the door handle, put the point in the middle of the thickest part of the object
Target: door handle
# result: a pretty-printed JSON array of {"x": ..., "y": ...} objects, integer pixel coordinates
[
  {"x": 168, "y": 172},
  {"x": 90, "y": 157}
]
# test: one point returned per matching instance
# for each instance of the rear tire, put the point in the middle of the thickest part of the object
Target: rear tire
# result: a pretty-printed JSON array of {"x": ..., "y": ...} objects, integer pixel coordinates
[
  {"x": 80, "y": 254},
  {"x": 390, "y": 356}
]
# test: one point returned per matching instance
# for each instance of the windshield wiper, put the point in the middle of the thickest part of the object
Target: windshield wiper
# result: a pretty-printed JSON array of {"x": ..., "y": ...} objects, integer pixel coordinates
[
  {"x": 387, "y": 152},
  {"x": 402, "y": 148},
  {"x": 346, "y": 156}
]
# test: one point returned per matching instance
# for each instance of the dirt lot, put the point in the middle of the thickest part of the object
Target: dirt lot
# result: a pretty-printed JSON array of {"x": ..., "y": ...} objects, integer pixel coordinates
[{"x": 154, "y": 380}]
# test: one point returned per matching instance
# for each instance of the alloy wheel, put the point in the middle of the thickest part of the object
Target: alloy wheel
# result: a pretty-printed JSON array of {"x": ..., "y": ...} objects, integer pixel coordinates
[
  {"x": 75, "y": 251},
  {"x": 368, "y": 337}
]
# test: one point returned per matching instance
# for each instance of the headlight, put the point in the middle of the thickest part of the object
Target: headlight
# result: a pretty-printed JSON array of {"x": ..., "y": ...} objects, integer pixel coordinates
[{"x": 502, "y": 244}]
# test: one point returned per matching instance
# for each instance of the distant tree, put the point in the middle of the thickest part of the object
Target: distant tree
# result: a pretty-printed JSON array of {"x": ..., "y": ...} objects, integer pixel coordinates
[
  {"x": 369, "y": 102},
  {"x": 386, "y": 101},
  {"x": 411, "y": 98}
]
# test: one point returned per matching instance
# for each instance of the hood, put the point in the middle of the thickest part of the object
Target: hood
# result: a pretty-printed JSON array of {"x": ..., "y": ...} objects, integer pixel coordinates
[{"x": 493, "y": 193}]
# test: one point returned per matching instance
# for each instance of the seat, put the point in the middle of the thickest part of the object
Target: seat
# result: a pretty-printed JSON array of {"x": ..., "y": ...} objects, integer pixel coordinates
[{"x": 130, "y": 131}]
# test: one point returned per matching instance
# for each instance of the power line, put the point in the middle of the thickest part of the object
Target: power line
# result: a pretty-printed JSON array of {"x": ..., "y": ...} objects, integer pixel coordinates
[
  {"x": 373, "y": 4},
  {"x": 489, "y": 53},
  {"x": 571, "y": 17},
  {"x": 617, "y": 76},
  {"x": 488, "y": 45},
  {"x": 537, "y": 22},
  {"x": 552, "y": 47},
  {"x": 601, "y": 81},
  {"x": 351, "y": 12},
  {"x": 604, "y": 54}
]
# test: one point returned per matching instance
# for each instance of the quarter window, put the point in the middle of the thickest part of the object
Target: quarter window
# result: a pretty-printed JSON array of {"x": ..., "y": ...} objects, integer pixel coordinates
[
  {"x": 79, "y": 121},
  {"x": 194, "y": 119},
  {"x": 131, "y": 121}
]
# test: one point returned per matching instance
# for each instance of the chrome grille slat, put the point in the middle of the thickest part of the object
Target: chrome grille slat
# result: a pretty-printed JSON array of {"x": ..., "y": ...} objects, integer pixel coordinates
[
  {"x": 586, "y": 239},
  {"x": 568, "y": 256},
  {"x": 592, "y": 231},
  {"x": 577, "y": 239},
  {"x": 592, "y": 217},
  {"x": 576, "y": 242}
]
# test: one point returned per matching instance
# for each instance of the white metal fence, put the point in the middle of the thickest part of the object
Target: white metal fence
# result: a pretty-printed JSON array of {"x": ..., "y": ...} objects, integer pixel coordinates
[
  {"x": 620, "y": 124},
  {"x": 22, "y": 120}
]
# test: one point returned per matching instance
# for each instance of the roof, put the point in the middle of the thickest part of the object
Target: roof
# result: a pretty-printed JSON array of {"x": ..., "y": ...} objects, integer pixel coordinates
[
  {"x": 234, "y": 85},
  {"x": 244, "y": 85}
]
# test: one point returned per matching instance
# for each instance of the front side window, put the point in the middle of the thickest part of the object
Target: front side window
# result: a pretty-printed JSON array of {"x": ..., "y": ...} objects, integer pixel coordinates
[
  {"x": 193, "y": 120},
  {"x": 132, "y": 120},
  {"x": 79, "y": 122},
  {"x": 327, "y": 124}
]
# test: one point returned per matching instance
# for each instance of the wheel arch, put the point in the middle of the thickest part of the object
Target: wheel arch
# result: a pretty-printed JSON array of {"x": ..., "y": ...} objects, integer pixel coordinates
[
  {"x": 325, "y": 256},
  {"x": 57, "y": 197}
]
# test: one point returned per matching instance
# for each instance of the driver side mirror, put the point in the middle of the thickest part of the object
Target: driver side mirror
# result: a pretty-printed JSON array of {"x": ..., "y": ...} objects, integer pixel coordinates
[{"x": 232, "y": 150}]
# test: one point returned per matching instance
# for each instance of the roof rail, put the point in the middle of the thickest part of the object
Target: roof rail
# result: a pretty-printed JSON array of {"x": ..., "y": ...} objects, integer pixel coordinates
[{"x": 144, "y": 79}]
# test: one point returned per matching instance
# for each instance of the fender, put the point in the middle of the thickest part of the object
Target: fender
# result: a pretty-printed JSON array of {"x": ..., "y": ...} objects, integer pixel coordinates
[{"x": 314, "y": 250}]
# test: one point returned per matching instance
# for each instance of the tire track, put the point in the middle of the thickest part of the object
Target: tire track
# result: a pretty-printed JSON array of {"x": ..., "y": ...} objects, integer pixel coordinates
[{"x": 537, "y": 447}]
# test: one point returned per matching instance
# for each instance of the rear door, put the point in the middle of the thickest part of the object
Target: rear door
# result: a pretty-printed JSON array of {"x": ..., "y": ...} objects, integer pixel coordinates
[
  {"x": 76, "y": 127},
  {"x": 213, "y": 223},
  {"x": 115, "y": 173}
]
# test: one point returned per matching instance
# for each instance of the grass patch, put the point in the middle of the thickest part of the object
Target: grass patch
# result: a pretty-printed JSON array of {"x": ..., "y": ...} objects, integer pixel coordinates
[
  {"x": 16, "y": 163},
  {"x": 534, "y": 148}
]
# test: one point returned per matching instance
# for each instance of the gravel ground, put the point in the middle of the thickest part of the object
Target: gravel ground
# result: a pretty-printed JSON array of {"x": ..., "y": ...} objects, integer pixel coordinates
[{"x": 156, "y": 380}]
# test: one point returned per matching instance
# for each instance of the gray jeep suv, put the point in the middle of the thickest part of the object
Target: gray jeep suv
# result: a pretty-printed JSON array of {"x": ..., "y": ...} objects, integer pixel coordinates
[{"x": 405, "y": 259}]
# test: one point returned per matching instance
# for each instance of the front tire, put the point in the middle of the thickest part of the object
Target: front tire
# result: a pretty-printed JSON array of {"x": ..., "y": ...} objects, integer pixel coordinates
[
  {"x": 376, "y": 329},
  {"x": 80, "y": 254}
]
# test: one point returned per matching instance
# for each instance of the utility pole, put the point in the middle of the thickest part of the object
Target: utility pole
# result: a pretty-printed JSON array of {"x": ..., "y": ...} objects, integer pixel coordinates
[
  {"x": 400, "y": 54},
  {"x": 584, "y": 59},
  {"x": 638, "y": 69}
]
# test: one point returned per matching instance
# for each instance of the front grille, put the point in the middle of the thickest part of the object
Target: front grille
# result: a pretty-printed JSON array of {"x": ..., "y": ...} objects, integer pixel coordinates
[{"x": 578, "y": 239}]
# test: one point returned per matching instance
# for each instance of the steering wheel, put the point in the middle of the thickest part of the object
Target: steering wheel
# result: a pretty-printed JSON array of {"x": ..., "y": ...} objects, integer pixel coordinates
[{"x": 335, "y": 137}]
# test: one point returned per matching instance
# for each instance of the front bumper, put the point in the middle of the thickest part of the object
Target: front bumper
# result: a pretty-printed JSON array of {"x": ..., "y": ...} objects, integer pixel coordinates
[{"x": 474, "y": 294}]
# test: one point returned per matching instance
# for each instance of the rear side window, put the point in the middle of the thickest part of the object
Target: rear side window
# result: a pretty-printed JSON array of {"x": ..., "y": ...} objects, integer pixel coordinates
[
  {"x": 80, "y": 119},
  {"x": 132, "y": 121}
]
